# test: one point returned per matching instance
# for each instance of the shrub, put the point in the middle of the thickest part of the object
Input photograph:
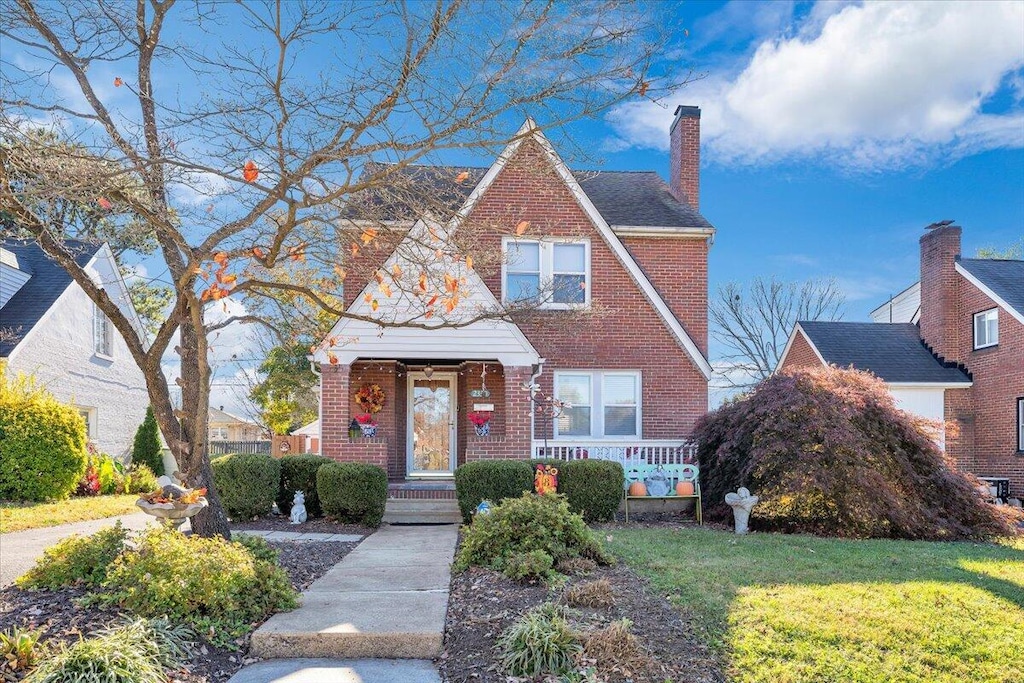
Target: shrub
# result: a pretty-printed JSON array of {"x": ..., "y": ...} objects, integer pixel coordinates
[
  {"x": 298, "y": 473},
  {"x": 213, "y": 585},
  {"x": 139, "y": 479},
  {"x": 526, "y": 524},
  {"x": 614, "y": 648},
  {"x": 78, "y": 559},
  {"x": 493, "y": 480},
  {"x": 535, "y": 564},
  {"x": 42, "y": 441},
  {"x": 137, "y": 652},
  {"x": 593, "y": 488},
  {"x": 110, "y": 474},
  {"x": 89, "y": 484},
  {"x": 576, "y": 565},
  {"x": 19, "y": 648},
  {"x": 591, "y": 594},
  {"x": 828, "y": 453},
  {"x": 247, "y": 483},
  {"x": 147, "y": 450},
  {"x": 258, "y": 548},
  {"x": 353, "y": 492},
  {"x": 540, "y": 642}
]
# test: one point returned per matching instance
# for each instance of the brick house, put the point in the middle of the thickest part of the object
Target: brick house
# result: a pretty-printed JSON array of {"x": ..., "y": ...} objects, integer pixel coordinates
[
  {"x": 950, "y": 347},
  {"x": 625, "y": 246}
]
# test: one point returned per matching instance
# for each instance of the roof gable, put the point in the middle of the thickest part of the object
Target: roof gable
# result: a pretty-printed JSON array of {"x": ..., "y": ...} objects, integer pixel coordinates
[
  {"x": 1002, "y": 280},
  {"x": 893, "y": 352}
]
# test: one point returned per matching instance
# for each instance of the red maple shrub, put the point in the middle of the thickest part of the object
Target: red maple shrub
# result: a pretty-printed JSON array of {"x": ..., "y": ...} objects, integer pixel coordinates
[{"x": 829, "y": 453}]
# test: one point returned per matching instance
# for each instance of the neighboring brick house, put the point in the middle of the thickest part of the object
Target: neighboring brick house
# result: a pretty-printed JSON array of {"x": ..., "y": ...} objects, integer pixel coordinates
[
  {"x": 951, "y": 348},
  {"x": 626, "y": 245},
  {"x": 49, "y": 328}
]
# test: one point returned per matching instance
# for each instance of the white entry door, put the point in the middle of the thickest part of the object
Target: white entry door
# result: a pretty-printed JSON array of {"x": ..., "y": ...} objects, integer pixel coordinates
[{"x": 432, "y": 414}]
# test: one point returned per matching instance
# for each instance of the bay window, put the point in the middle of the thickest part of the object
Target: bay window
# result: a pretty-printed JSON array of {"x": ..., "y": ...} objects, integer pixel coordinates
[
  {"x": 554, "y": 273},
  {"x": 603, "y": 404}
]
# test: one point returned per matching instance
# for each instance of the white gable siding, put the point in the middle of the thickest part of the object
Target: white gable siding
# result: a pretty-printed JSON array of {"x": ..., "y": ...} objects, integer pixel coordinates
[
  {"x": 11, "y": 280},
  {"x": 904, "y": 307}
]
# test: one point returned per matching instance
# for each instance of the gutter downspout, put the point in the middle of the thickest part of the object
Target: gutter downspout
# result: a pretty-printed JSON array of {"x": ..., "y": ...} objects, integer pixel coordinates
[
  {"x": 533, "y": 388},
  {"x": 319, "y": 403}
]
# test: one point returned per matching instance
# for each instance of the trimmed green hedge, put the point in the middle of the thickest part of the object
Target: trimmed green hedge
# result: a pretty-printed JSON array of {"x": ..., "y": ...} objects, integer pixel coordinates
[
  {"x": 593, "y": 488},
  {"x": 42, "y": 442},
  {"x": 352, "y": 492},
  {"x": 298, "y": 473},
  {"x": 247, "y": 483},
  {"x": 493, "y": 480}
]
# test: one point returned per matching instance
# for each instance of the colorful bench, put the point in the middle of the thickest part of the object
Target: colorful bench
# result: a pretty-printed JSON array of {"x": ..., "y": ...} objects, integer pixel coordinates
[{"x": 673, "y": 474}]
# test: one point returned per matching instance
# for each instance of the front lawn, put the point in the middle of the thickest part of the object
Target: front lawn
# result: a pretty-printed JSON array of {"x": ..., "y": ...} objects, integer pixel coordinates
[
  {"x": 21, "y": 516},
  {"x": 799, "y": 608}
]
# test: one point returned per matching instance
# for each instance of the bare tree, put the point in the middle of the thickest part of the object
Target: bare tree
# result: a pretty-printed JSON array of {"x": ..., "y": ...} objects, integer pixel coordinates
[
  {"x": 241, "y": 137},
  {"x": 753, "y": 326}
]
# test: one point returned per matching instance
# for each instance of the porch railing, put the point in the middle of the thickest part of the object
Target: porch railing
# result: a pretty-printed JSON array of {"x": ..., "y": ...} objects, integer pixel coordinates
[{"x": 646, "y": 452}]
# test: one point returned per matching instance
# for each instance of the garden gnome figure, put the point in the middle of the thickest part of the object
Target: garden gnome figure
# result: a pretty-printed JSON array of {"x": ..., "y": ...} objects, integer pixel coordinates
[
  {"x": 741, "y": 503},
  {"x": 298, "y": 515}
]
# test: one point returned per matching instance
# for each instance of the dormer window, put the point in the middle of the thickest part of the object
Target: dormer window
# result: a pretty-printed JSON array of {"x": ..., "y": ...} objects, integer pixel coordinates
[
  {"x": 101, "y": 333},
  {"x": 555, "y": 273},
  {"x": 986, "y": 328}
]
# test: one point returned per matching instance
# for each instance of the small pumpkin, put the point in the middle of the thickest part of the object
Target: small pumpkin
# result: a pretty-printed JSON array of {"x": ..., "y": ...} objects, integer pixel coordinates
[
  {"x": 684, "y": 488},
  {"x": 637, "y": 488}
]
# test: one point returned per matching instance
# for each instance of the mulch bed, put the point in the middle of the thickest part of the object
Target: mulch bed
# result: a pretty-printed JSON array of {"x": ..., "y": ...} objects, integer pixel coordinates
[
  {"x": 317, "y": 525},
  {"x": 483, "y": 603},
  {"x": 65, "y": 620}
]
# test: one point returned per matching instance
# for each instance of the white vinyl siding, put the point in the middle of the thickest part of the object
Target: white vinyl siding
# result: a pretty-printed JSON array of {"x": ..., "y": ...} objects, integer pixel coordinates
[
  {"x": 218, "y": 433},
  {"x": 555, "y": 271},
  {"x": 986, "y": 328},
  {"x": 101, "y": 333},
  {"x": 604, "y": 404}
]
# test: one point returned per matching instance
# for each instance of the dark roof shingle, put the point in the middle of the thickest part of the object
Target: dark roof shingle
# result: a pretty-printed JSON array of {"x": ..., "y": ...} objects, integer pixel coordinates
[
  {"x": 636, "y": 198},
  {"x": 1005, "y": 277},
  {"x": 40, "y": 291},
  {"x": 892, "y": 351}
]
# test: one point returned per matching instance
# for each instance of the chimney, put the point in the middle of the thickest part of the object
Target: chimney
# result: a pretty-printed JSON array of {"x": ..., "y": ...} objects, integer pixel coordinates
[
  {"x": 684, "y": 140},
  {"x": 940, "y": 248}
]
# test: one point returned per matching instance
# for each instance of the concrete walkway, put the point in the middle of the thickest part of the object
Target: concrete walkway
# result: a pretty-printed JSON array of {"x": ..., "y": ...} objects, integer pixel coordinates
[
  {"x": 339, "y": 671},
  {"x": 385, "y": 599},
  {"x": 20, "y": 550}
]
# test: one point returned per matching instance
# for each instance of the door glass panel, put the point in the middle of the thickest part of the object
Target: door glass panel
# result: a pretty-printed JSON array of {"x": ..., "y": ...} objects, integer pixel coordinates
[{"x": 431, "y": 433}]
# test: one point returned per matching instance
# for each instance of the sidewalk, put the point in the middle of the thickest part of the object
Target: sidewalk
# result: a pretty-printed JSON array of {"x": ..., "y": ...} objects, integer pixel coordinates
[
  {"x": 20, "y": 550},
  {"x": 385, "y": 599}
]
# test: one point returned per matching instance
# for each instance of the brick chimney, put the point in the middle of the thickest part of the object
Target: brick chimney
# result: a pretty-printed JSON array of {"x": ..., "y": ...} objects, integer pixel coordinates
[
  {"x": 684, "y": 140},
  {"x": 940, "y": 247}
]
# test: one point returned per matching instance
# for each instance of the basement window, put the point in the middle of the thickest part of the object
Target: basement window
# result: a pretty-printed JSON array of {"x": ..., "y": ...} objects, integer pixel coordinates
[{"x": 986, "y": 328}]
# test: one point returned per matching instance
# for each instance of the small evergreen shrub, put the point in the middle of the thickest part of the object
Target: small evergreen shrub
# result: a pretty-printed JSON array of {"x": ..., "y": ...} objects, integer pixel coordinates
[
  {"x": 828, "y": 453},
  {"x": 42, "y": 441},
  {"x": 533, "y": 565},
  {"x": 493, "y": 480},
  {"x": 77, "y": 560},
  {"x": 593, "y": 488},
  {"x": 540, "y": 642},
  {"x": 137, "y": 652},
  {"x": 211, "y": 584},
  {"x": 247, "y": 483},
  {"x": 298, "y": 473},
  {"x": 526, "y": 524},
  {"x": 139, "y": 479},
  {"x": 352, "y": 492},
  {"x": 147, "y": 450}
]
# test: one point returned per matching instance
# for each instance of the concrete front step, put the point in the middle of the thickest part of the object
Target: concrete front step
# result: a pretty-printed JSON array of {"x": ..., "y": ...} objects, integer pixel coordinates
[
  {"x": 417, "y": 511},
  {"x": 339, "y": 671}
]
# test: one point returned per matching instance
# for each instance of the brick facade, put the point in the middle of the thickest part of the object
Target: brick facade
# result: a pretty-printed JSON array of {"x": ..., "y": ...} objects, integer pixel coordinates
[{"x": 800, "y": 355}]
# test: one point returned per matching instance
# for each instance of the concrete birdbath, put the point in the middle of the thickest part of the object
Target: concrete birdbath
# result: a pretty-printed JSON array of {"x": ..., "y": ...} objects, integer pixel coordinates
[{"x": 171, "y": 503}]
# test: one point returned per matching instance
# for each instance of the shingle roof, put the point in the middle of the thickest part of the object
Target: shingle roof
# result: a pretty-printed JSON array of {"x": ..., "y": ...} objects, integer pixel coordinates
[
  {"x": 892, "y": 351},
  {"x": 33, "y": 300},
  {"x": 1005, "y": 277},
  {"x": 637, "y": 198}
]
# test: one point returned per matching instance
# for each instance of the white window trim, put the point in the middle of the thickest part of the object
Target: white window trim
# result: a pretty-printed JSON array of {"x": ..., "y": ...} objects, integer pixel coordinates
[
  {"x": 219, "y": 433},
  {"x": 91, "y": 425},
  {"x": 1020, "y": 425},
  {"x": 974, "y": 330},
  {"x": 597, "y": 405},
  {"x": 547, "y": 260},
  {"x": 108, "y": 354}
]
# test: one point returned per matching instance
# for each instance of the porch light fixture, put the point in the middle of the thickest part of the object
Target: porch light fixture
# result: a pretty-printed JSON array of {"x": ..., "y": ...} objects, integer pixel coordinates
[{"x": 428, "y": 371}]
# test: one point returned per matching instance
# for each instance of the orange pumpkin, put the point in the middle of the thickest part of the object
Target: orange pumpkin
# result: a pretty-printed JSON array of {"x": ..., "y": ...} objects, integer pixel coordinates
[
  {"x": 684, "y": 488},
  {"x": 638, "y": 488}
]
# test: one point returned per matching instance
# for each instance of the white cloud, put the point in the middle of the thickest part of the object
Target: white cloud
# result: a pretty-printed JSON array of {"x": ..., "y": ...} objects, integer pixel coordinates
[{"x": 878, "y": 85}]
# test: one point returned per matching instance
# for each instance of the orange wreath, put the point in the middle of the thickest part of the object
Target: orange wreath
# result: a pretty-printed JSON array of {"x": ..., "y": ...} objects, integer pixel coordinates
[{"x": 370, "y": 398}]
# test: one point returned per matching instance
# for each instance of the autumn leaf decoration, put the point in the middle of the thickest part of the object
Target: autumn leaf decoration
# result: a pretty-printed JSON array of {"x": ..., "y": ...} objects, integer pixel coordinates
[{"x": 250, "y": 172}]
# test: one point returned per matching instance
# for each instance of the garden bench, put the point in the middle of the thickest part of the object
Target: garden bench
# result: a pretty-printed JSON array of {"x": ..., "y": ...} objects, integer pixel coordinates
[{"x": 673, "y": 473}]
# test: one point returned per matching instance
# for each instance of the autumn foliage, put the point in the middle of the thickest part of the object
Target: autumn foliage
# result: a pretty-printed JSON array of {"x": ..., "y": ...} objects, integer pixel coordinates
[{"x": 829, "y": 453}]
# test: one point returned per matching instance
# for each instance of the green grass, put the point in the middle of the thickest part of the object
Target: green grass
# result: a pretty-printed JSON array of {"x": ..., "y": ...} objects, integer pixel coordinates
[
  {"x": 21, "y": 516},
  {"x": 797, "y": 608}
]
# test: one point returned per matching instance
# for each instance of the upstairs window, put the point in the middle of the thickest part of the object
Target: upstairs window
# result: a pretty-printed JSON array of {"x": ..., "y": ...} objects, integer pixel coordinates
[
  {"x": 102, "y": 341},
  {"x": 556, "y": 274},
  {"x": 986, "y": 328}
]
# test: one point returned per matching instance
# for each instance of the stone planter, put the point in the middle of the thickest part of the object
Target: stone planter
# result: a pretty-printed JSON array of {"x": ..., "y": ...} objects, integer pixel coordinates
[
  {"x": 741, "y": 503},
  {"x": 369, "y": 431},
  {"x": 484, "y": 429}
]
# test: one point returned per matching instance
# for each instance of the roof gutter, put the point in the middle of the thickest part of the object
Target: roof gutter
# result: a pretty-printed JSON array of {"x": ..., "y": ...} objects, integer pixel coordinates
[{"x": 664, "y": 231}]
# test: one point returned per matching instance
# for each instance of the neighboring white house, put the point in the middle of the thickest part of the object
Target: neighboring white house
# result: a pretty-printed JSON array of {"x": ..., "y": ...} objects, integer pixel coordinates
[
  {"x": 905, "y": 307},
  {"x": 50, "y": 328},
  {"x": 311, "y": 436}
]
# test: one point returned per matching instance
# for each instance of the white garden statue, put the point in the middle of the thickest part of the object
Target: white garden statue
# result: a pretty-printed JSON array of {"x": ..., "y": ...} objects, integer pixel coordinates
[
  {"x": 741, "y": 503},
  {"x": 298, "y": 515}
]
